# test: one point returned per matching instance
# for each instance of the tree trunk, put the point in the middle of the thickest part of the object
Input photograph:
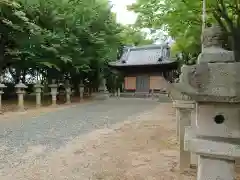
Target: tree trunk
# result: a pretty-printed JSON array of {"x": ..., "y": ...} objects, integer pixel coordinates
[
  {"x": 236, "y": 45},
  {"x": 24, "y": 72}
]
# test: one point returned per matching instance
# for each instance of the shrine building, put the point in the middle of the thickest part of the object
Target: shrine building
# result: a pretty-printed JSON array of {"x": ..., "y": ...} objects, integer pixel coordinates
[{"x": 146, "y": 68}]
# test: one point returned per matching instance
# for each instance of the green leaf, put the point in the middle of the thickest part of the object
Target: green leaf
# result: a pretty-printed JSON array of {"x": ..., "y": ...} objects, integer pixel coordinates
[{"x": 50, "y": 65}]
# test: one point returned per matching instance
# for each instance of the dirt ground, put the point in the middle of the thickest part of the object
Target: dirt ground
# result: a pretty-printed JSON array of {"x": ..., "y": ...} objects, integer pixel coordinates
[{"x": 141, "y": 148}]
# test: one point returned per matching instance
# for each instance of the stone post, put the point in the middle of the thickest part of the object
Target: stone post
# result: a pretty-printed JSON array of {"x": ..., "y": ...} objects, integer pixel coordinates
[
  {"x": 118, "y": 92},
  {"x": 88, "y": 91},
  {"x": 115, "y": 93},
  {"x": 104, "y": 87},
  {"x": 115, "y": 89},
  {"x": 103, "y": 93},
  {"x": 2, "y": 86},
  {"x": 177, "y": 120},
  {"x": 68, "y": 95},
  {"x": 38, "y": 90},
  {"x": 122, "y": 85},
  {"x": 213, "y": 84},
  {"x": 54, "y": 88},
  {"x": 68, "y": 92},
  {"x": 81, "y": 90},
  {"x": 176, "y": 97},
  {"x": 184, "y": 109},
  {"x": 20, "y": 90},
  {"x": 152, "y": 93}
]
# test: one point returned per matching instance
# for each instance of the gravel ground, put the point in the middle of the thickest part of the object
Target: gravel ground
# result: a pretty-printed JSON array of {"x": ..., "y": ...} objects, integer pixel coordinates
[
  {"x": 140, "y": 147},
  {"x": 143, "y": 146},
  {"x": 22, "y": 138}
]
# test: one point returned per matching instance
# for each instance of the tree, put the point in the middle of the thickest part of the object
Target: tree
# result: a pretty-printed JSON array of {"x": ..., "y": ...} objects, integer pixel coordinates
[
  {"x": 182, "y": 20},
  {"x": 133, "y": 36},
  {"x": 14, "y": 24},
  {"x": 226, "y": 13},
  {"x": 61, "y": 39}
]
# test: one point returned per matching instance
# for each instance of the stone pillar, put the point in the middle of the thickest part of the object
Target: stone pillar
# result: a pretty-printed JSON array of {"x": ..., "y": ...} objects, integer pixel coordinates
[
  {"x": 118, "y": 92},
  {"x": 68, "y": 95},
  {"x": 213, "y": 84},
  {"x": 81, "y": 90},
  {"x": 152, "y": 93},
  {"x": 38, "y": 90},
  {"x": 2, "y": 86},
  {"x": 54, "y": 88},
  {"x": 177, "y": 120},
  {"x": 105, "y": 90},
  {"x": 185, "y": 109},
  {"x": 103, "y": 93},
  {"x": 115, "y": 93},
  {"x": 68, "y": 92},
  {"x": 194, "y": 157},
  {"x": 20, "y": 90},
  {"x": 123, "y": 87},
  {"x": 210, "y": 168},
  {"x": 88, "y": 91}
]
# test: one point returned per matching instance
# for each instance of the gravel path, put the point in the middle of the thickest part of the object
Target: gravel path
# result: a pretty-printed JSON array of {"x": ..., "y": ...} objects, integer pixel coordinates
[{"x": 53, "y": 130}]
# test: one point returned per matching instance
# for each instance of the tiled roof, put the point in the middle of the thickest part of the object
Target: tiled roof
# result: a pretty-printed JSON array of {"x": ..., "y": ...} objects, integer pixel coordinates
[{"x": 145, "y": 55}]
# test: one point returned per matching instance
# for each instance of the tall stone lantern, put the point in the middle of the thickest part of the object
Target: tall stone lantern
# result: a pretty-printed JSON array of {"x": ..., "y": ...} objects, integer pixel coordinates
[
  {"x": 54, "y": 92},
  {"x": 118, "y": 92},
  {"x": 38, "y": 90},
  {"x": 68, "y": 91},
  {"x": 81, "y": 90},
  {"x": 215, "y": 86},
  {"x": 103, "y": 89},
  {"x": 2, "y": 86},
  {"x": 20, "y": 90},
  {"x": 103, "y": 93}
]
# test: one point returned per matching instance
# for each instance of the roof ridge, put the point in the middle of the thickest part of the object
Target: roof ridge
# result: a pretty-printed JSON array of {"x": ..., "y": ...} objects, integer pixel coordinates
[{"x": 147, "y": 47}]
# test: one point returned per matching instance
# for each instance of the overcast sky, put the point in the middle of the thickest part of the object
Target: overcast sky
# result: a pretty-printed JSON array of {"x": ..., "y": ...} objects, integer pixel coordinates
[
  {"x": 127, "y": 17},
  {"x": 123, "y": 15}
]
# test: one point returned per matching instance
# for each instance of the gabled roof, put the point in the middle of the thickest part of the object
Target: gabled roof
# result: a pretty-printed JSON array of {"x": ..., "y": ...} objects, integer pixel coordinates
[{"x": 144, "y": 55}]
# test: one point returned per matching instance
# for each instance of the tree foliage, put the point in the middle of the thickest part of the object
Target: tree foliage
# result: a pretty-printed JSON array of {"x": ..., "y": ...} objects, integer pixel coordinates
[
  {"x": 227, "y": 14},
  {"x": 60, "y": 39},
  {"x": 134, "y": 36},
  {"x": 182, "y": 19}
]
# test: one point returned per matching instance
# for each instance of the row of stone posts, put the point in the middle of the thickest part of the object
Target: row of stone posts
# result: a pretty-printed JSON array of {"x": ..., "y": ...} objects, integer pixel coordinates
[{"x": 20, "y": 91}]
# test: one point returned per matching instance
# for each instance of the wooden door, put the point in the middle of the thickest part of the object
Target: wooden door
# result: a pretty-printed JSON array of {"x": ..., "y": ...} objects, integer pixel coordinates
[{"x": 142, "y": 84}]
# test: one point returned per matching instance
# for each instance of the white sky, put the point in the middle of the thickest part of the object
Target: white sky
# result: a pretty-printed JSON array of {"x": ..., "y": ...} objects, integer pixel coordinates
[
  {"x": 128, "y": 17},
  {"x": 123, "y": 15}
]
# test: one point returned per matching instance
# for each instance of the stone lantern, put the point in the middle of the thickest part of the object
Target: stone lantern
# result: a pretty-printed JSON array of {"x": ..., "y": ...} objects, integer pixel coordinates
[
  {"x": 118, "y": 92},
  {"x": 214, "y": 85},
  {"x": 103, "y": 93},
  {"x": 68, "y": 92},
  {"x": 2, "y": 86},
  {"x": 54, "y": 92},
  {"x": 115, "y": 93},
  {"x": 81, "y": 90},
  {"x": 38, "y": 90},
  {"x": 20, "y": 90}
]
